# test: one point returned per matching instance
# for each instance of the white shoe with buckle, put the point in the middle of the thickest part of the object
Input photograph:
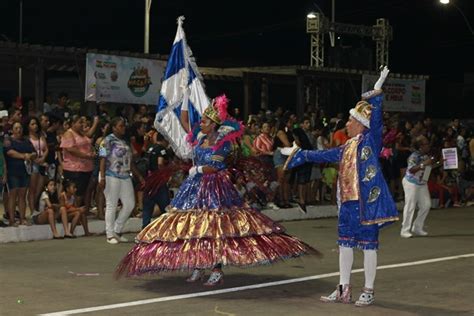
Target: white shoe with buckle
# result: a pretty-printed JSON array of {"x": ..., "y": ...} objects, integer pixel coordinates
[{"x": 366, "y": 298}]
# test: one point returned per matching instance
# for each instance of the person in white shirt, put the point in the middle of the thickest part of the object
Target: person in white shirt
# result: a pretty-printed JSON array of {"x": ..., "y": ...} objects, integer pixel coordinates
[{"x": 416, "y": 189}]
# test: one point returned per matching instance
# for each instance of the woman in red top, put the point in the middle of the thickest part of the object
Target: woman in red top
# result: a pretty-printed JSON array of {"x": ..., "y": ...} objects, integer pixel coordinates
[
  {"x": 263, "y": 144},
  {"x": 138, "y": 140},
  {"x": 339, "y": 137}
]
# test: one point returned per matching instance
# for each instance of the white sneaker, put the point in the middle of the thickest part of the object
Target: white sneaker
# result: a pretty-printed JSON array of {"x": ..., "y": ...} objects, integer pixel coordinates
[
  {"x": 366, "y": 298},
  {"x": 420, "y": 232},
  {"x": 112, "y": 240},
  {"x": 343, "y": 294},
  {"x": 406, "y": 235},
  {"x": 120, "y": 238},
  {"x": 216, "y": 277}
]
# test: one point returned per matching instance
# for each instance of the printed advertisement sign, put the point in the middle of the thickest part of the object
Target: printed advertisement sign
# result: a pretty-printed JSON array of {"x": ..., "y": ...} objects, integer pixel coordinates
[
  {"x": 401, "y": 95},
  {"x": 123, "y": 79}
]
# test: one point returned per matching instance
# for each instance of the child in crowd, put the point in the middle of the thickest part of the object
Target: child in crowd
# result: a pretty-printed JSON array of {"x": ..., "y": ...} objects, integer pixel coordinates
[
  {"x": 48, "y": 209},
  {"x": 69, "y": 205}
]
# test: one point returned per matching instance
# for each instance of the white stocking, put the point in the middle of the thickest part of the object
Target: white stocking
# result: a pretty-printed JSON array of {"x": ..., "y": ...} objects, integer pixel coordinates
[
  {"x": 370, "y": 267},
  {"x": 346, "y": 258}
]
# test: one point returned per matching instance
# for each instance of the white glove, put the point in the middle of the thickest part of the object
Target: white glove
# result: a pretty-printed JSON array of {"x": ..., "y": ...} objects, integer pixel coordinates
[
  {"x": 286, "y": 151},
  {"x": 383, "y": 75},
  {"x": 195, "y": 170},
  {"x": 192, "y": 171}
]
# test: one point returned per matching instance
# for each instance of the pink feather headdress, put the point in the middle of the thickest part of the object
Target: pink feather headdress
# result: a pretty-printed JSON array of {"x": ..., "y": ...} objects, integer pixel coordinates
[
  {"x": 220, "y": 103},
  {"x": 230, "y": 129}
]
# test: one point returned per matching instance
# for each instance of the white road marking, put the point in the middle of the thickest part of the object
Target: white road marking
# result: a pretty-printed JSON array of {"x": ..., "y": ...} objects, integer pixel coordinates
[{"x": 247, "y": 287}]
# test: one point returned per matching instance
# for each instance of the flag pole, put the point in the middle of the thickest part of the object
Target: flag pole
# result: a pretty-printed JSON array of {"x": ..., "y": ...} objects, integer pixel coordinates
[
  {"x": 146, "y": 46},
  {"x": 186, "y": 79}
]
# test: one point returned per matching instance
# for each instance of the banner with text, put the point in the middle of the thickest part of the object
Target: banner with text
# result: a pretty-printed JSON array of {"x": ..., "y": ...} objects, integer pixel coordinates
[
  {"x": 123, "y": 79},
  {"x": 401, "y": 95}
]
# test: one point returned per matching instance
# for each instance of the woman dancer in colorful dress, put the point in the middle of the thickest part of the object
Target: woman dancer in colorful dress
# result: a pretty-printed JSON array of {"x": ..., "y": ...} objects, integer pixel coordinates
[{"x": 208, "y": 225}]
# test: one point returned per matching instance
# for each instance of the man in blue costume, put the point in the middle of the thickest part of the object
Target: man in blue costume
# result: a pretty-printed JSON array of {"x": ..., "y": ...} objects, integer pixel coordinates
[{"x": 364, "y": 199}]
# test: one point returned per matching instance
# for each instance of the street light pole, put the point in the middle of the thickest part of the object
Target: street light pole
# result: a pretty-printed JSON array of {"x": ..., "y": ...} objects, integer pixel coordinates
[
  {"x": 146, "y": 49},
  {"x": 446, "y": 2},
  {"x": 20, "y": 41},
  {"x": 465, "y": 19},
  {"x": 332, "y": 35}
]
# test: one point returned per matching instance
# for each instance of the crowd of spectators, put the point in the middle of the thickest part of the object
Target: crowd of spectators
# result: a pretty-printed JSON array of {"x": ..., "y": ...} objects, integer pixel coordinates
[
  {"x": 50, "y": 162},
  {"x": 317, "y": 183}
]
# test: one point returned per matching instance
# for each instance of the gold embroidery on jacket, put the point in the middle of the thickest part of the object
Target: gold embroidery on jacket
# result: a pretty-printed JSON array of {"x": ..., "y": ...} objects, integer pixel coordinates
[{"x": 348, "y": 174}]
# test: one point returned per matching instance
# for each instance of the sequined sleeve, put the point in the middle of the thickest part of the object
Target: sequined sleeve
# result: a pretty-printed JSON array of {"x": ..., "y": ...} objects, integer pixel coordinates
[
  {"x": 327, "y": 155},
  {"x": 219, "y": 156},
  {"x": 376, "y": 121}
]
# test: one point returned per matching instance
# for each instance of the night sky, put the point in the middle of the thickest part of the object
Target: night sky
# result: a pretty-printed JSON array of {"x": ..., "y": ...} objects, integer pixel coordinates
[{"x": 429, "y": 38}]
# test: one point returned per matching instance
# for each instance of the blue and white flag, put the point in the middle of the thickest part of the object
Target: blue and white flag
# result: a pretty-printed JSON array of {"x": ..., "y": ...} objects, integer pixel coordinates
[{"x": 182, "y": 86}]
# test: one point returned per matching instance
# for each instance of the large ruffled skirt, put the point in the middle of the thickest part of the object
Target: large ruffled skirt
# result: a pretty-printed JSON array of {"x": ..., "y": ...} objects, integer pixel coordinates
[{"x": 208, "y": 224}]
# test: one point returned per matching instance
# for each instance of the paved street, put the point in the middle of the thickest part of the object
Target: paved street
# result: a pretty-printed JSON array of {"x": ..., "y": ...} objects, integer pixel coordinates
[{"x": 48, "y": 276}]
